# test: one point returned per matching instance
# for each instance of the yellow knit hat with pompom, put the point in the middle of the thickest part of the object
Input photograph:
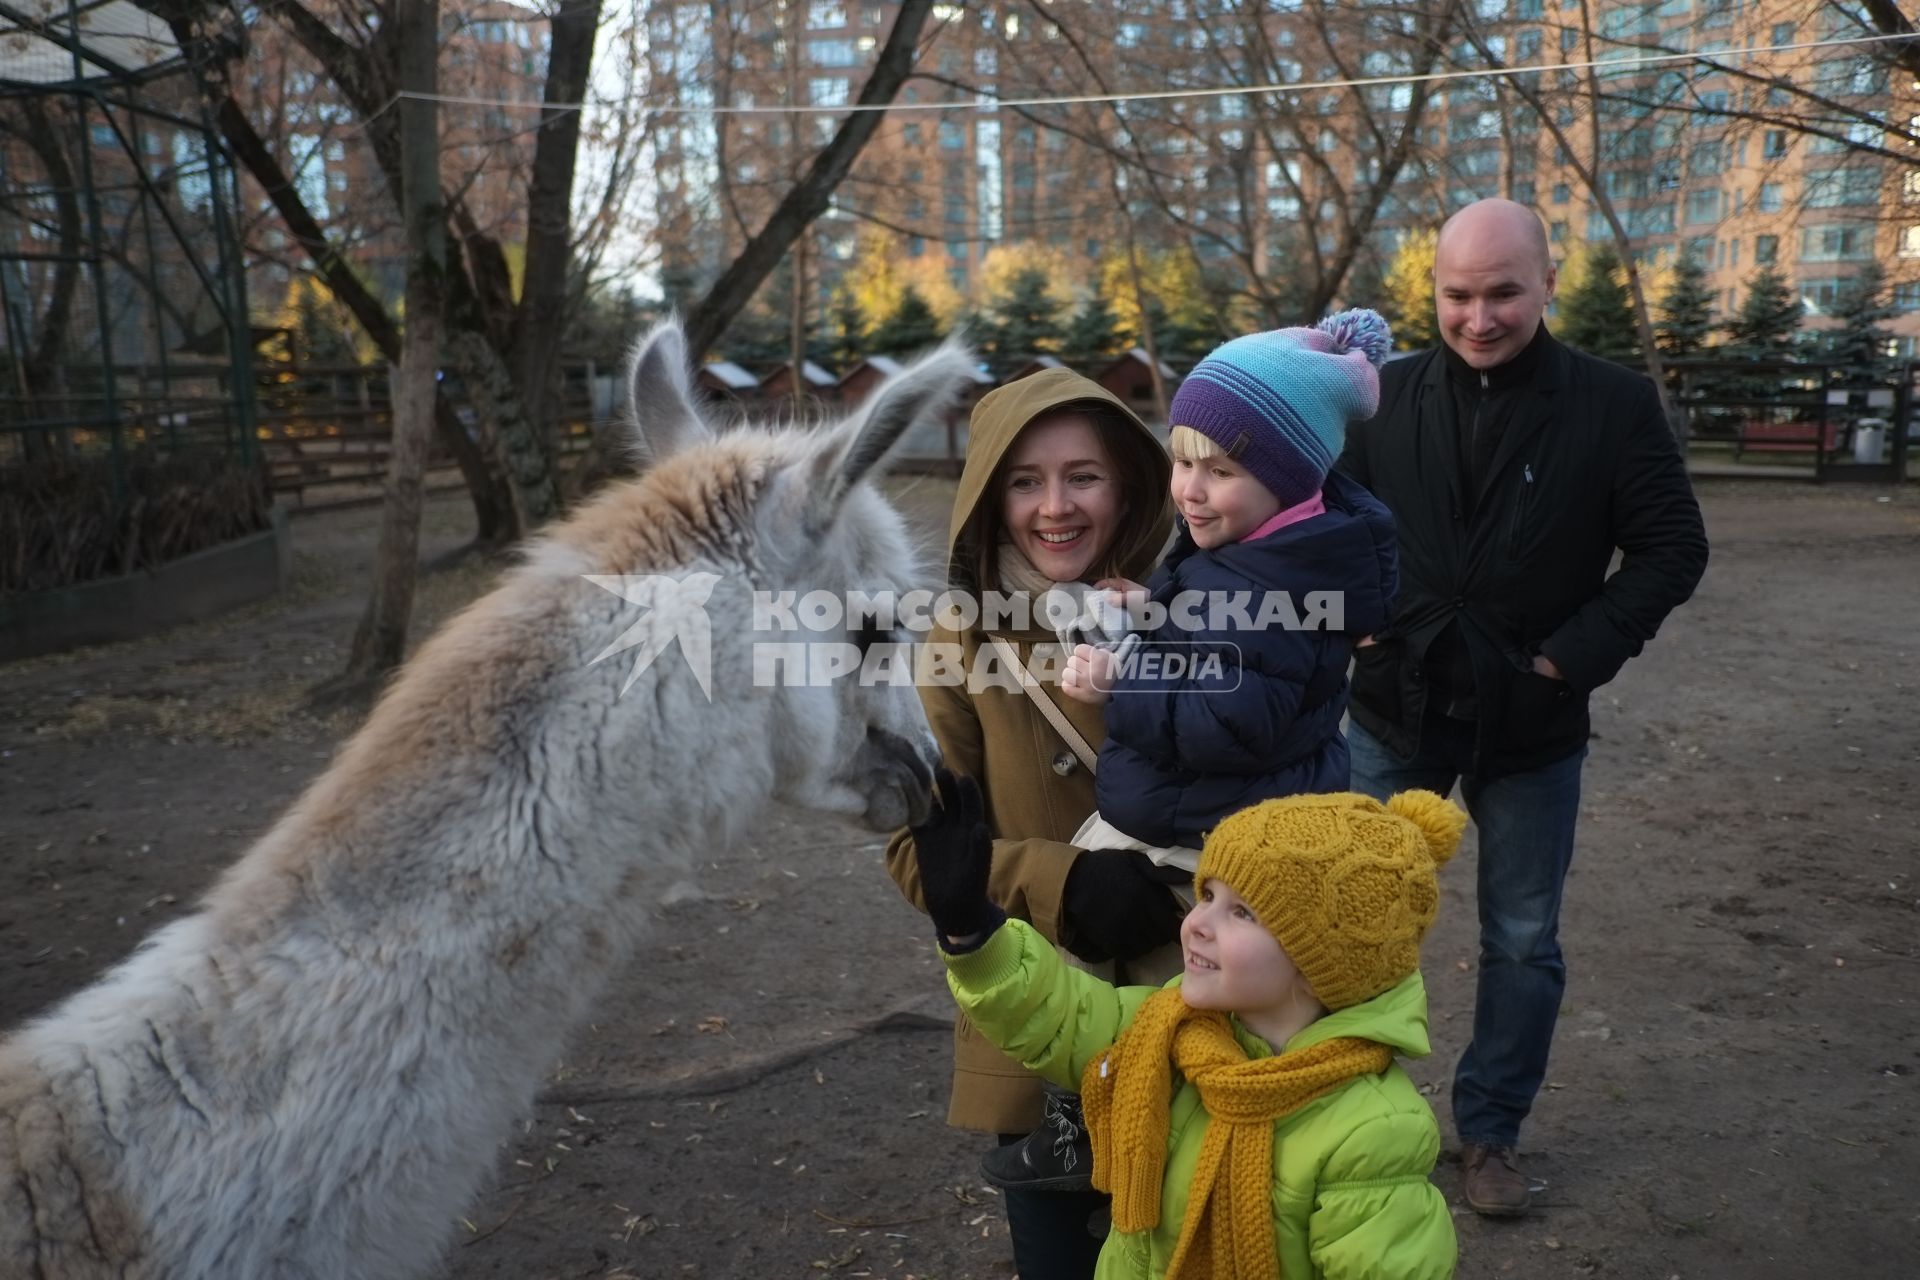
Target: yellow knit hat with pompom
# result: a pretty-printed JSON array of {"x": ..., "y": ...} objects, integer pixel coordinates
[{"x": 1345, "y": 883}]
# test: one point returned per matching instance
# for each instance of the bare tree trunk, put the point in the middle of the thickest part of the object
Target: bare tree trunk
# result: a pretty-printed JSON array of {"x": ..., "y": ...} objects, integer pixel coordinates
[
  {"x": 365, "y": 76},
  {"x": 710, "y": 316},
  {"x": 540, "y": 320},
  {"x": 1148, "y": 342},
  {"x": 211, "y": 58},
  {"x": 797, "y": 327},
  {"x": 1590, "y": 174},
  {"x": 380, "y": 642}
]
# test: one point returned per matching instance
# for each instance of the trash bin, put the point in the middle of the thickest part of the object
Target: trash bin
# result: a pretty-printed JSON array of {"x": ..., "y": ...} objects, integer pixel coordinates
[{"x": 1869, "y": 440}]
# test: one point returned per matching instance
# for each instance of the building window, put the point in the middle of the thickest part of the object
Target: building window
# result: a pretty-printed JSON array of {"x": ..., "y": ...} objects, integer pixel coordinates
[
  {"x": 1774, "y": 145},
  {"x": 1766, "y": 250},
  {"x": 1909, "y": 242},
  {"x": 1906, "y": 297},
  {"x": 953, "y": 136},
  {"x": 1769, "y": 199},
  {"x": 830, "y": 53},
  {"x": 824, "y": 17},
  {"x": 830, "y": 92},
  {"x": 1847, "y": 76},
  {"x": 1840, "y": 242},
  {"x": 1823, "y": 292},
  {"x": 1527, "y": 48},
  {"x": 1703, "y": 206},
  {"x": 912, "y": 135},
  {"x": 1910, "y": 185},
  {"x": 957, "y": 249},
  {"x": 1834, "y": 188},
  {"x": 1706, "y": 159},
  {"x": 916, "y": 245},
  {"x": 1562, "y": 193}
]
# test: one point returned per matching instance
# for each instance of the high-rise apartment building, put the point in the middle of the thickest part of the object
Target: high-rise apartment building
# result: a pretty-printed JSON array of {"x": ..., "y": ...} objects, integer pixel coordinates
[{"x": 1742, "y": 150}]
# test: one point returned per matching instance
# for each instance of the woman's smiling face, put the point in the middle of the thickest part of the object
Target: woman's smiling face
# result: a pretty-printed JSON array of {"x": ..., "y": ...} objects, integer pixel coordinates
[{"x": 1060, "y": 499}]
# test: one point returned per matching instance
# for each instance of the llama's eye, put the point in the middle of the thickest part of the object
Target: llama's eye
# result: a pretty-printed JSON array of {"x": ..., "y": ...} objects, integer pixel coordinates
[{"x": 869, "y": 630}]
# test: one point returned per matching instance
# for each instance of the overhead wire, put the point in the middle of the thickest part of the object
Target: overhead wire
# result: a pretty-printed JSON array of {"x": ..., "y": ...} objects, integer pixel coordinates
[{"x": 983, "y": 100}]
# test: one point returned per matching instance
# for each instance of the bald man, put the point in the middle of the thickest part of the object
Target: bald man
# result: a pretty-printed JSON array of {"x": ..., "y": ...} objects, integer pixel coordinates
[{"x": 1515, "y": 467}]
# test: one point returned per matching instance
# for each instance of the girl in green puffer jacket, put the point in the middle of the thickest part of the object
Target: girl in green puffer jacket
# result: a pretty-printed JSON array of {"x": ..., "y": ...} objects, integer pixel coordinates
[{"x": 1293, "y": 1146}]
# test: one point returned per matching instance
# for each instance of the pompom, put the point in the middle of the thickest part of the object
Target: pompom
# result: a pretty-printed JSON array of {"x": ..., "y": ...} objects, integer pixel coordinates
[
  {"x": 1439, "y": 819},
  {"x": 1359, "y": 330}
]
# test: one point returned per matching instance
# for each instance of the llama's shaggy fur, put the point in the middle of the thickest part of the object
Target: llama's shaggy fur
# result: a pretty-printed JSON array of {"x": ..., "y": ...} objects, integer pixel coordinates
[{"x": 310, "y": 1075}]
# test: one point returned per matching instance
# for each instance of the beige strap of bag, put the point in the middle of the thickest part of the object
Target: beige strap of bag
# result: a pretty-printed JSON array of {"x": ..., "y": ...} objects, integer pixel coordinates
[{"x": 1045, "y": 703}]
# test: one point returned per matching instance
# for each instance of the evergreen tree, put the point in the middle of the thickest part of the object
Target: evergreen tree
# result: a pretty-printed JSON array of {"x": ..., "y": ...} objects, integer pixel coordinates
[
  {"x": 1596, "y": 314},
  {"x": 317, "y": 336},
  {"x": 1182, "y": 338},
  {"x": 1859, "y": 344},
  {"x": 1686, "y": 310},
  {"x": 1022, "y": 323},
  {"x": 1768, "y": 320},
  {"x": 846, "y": 340},
  {"x": 1092, "y": 337},
  {"x": 912, "y": 327}
]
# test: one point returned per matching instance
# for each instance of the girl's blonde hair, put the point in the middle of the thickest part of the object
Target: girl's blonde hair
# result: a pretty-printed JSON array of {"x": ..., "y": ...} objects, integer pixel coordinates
[{"x": 1188, "y": 444}]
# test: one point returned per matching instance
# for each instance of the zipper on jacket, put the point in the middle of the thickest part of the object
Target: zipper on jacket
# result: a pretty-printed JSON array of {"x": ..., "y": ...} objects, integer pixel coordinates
[
  {"x": 1520, "y": 511},
  {"x": 1473, "y": 451}
]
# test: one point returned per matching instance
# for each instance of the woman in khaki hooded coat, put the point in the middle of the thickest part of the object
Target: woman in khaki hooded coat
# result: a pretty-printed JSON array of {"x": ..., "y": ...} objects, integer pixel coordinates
[{"x": 1061, "y": 483}]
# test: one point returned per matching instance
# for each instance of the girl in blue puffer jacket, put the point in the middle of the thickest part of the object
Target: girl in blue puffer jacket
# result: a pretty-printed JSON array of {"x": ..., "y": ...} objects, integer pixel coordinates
[{"x": 1234, "y": 691}]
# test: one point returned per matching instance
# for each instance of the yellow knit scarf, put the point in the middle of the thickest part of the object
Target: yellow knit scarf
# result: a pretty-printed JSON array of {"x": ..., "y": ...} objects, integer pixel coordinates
[{"x": 1228, "y": 1230}]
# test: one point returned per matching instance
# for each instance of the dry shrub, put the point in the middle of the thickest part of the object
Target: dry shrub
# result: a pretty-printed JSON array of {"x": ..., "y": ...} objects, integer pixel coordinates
[{"x": 60, "y": 523}]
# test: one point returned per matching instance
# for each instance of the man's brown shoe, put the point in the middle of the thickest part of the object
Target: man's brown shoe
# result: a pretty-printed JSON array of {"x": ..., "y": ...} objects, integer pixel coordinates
[{"x": 1494, "y": 1187}]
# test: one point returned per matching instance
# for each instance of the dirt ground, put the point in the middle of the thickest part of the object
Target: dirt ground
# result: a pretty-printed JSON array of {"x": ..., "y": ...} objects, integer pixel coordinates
[{"x": 762, "y": 1091}]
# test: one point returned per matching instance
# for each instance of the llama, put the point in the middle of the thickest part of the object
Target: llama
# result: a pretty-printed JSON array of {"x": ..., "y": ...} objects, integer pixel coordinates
[{"x": 311, "y": 1074}]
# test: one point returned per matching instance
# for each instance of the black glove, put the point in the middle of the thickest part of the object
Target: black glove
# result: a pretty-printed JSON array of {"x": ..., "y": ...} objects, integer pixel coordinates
[
  {"x": 1112, "y": 908},
  {"x": 955, "y": 852}
]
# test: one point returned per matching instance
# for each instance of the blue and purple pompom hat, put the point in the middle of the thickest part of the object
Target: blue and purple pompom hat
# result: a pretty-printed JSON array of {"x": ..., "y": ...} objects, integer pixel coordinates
[{"x": 1279, "y": 402}]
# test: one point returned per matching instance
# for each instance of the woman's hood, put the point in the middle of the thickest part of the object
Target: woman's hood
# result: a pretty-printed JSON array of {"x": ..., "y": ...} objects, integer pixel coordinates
[{"x": 999, "y": 418}]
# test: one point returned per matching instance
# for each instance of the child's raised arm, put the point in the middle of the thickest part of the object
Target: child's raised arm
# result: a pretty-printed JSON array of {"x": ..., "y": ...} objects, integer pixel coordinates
[{"x": 1007, "y": 978}]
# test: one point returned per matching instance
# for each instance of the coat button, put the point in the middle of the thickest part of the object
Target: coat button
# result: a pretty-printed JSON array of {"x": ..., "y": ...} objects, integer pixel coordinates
[
  {"x": 1459, "y": 602},
  {"x": 1065, "y": 763}
]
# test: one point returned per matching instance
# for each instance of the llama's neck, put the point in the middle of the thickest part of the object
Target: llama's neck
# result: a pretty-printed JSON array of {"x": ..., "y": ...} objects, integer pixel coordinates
[{"x": 381, "y": 981}]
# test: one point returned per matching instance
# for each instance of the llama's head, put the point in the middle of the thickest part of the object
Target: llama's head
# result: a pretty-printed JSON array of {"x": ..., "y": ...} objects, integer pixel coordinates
[{"x": 772, "y": 540}]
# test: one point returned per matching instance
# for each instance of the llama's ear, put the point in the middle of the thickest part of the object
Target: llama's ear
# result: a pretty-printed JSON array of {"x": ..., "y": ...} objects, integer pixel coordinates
[
  {"x": 862, "y": 445},
  {"x": 664, "y": 419}
]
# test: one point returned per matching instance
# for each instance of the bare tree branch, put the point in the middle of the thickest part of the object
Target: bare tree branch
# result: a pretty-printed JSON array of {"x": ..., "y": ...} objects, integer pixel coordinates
[{"x": 809, "y": 197}]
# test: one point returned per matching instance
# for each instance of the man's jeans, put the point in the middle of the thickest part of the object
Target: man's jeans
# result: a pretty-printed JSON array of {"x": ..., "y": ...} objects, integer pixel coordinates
[{"x": 1526, "y": 823}]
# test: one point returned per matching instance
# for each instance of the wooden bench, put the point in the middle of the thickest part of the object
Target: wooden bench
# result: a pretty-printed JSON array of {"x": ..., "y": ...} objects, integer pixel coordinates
[{"x": 1787, "y": 437}]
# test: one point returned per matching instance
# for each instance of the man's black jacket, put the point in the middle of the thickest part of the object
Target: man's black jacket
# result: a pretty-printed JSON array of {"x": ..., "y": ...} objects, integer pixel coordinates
[{"x": 1585, "y": 465}]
